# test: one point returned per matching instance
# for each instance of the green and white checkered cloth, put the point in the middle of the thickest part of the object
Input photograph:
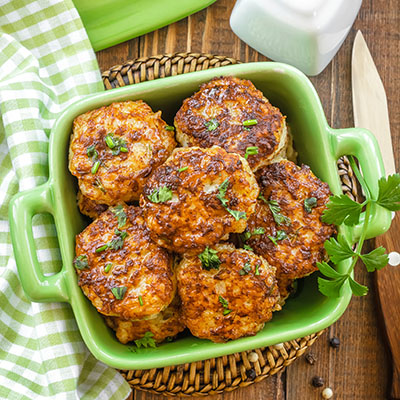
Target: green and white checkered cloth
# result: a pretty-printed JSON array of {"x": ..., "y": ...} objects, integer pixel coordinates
[{"x": 46, "y": 63}]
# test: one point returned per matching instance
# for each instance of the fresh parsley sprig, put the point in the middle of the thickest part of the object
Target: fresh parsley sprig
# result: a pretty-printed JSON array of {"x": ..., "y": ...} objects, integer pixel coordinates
[{"x": 341, "y": 209}]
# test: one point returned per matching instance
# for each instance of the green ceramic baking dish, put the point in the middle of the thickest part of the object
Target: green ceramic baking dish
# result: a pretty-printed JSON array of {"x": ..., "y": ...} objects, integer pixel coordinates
[{"x": 318, "y": 145}]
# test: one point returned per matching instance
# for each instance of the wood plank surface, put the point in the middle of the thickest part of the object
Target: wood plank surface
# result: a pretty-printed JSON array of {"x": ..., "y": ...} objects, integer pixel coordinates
[{"x": 360, "y": 367}]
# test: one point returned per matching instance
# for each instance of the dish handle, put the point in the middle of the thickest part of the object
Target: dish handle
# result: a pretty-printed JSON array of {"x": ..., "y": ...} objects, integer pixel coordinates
[
  {"x": 362, "y": 144},
  {"x": 36, "y": 285}
]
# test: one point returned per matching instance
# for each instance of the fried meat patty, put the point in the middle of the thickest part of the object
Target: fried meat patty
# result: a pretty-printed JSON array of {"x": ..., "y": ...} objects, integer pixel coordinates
[
  {"x": 234, "y": 297},
  {"x": 120, "y": 270},
  {"x": 221, "y": 113},
  {"x": 114, "y": 149},
  {"x": 89, "y": 207},
  {"x": 292, "y": 200},
  {"x": 197, "y": 197},
  {"x": 166, "y": 324}
]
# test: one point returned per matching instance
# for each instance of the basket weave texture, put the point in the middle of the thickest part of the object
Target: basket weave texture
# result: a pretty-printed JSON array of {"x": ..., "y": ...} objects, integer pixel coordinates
[{"x": 226, "y": 373}]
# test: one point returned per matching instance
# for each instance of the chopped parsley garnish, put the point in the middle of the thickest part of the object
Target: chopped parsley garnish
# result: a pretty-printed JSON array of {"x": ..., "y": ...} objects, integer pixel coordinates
[
  {"x": 212, "y": 124},
  {"x": 107, "y": 267},
  {"x": 169, "y": 128},
  {"x": 140, "y": 300},
  {"x": 279, "y": 218},
  {"x": 310, "y": 203},
  {"x": 116, "y": 144},
  {"x": 115, "y": 243},
  {"x": 81, "y": 262},
  {"x": 246, "y": 269},
  {"x": 209, "y": 259},
  {"x": 119, "y": 292},
  {"x": 257, "y": 271},
  {"x": 225, "y": 305},
  {"x": 250, "y": 151},
  {"x": 118, "y": 242},
  {"x": 280, "y": 235},
  {"x": 120, "y": 214},
  {"x": 247, "y": 234},
  {"x": 146, "y": 341},
  {"x": 247, "y": 247},
  {"x": 223, "y": 187},
  {"x": 92, "y": 152},
  {"x": 182, "y": 169},
  {"x": 250, "y": 122},
  {"x": 160, "y": 195}
]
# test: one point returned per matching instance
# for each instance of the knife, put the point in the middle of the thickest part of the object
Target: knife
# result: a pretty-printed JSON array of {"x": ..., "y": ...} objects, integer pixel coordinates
[{"x": 371, "y": 112}]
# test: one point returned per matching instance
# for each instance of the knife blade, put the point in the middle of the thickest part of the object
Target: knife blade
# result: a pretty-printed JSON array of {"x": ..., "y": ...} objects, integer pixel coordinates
[{"x": 371, "y": 112}]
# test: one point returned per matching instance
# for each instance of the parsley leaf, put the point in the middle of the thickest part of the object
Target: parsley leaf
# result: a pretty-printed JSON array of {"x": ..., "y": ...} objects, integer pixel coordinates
[
  {"x": 246, "y": 269},
  {"x": 120, "y": 214},
  {"x": 119, "y": 292},
  {"x": 223, "y": 187},
  {"x": 328, "y": 271},
  {"x": 280, "y": 235},
  {"x": 331, "y": 288},
  {"x": 118, "y": 242},
  {"x": 258, "y": 231},
  {"x": 92, "y": 152},
  {"x": 309, "y": 204},
  {"x": 209, "y": 259},
  {"x": 389, "y": 192},
  {"x": 225, "y": 305},
  {"x": 257, "y": 271},
  {"x": 357, "y": 288},
  {"x": 81, "y": 262},
  {"x": 160, "y": 195},
  {"x": 338, "y": 250},
  {"x": 237, "y": 214},
  {"x": 212, "y": 124},
  {"x": 247, "y": 247},
  {"x": 273, "y": 205},
  {"x": 341, "y": 209},
  {"x": 146, "y": 341},
  {"x": 376, "y": 259}
]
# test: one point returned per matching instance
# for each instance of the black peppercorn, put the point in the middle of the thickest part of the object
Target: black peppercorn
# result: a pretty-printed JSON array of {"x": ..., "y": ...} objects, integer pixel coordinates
[
  {"x": 310, "y": 358},
  {"x": 251, "y": 374},
  {"x": 317, "y": 381},
  {"x": 334, "y": 342}
]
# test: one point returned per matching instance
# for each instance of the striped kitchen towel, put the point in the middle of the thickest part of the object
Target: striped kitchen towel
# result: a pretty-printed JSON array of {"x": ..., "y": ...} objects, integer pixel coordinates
[{"x": 46, "y": 63}]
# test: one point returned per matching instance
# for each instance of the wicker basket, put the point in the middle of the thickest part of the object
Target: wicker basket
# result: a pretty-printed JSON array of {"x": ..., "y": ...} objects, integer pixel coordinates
[{"x": 237, "y": 370}]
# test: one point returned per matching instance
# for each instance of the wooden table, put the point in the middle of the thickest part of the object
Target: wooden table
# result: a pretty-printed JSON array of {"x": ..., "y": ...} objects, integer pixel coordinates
[{"x": 360, "y": 367}]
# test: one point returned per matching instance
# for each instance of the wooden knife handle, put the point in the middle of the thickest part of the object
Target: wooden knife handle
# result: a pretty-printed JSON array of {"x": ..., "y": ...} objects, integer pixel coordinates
[{"x": 388, "y": 288}]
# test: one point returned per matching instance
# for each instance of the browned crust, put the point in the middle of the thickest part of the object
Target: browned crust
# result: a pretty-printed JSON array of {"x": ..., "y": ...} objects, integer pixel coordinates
[
  {"x": 140, "y": 265},
  {"x": 230, "y": 101},
  {"x": 290, "y": 185}
]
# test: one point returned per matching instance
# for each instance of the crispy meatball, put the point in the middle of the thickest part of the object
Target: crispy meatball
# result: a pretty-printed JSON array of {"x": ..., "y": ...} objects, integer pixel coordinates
[
  {"x": 289, "y": 213},
  {"x": 114, "y": 149},
  {"x": 197, "y": 197},
  {"x": 89, "y": 207},
  {"x": 229, "y": 296},
  {"x": 121, "y": 271},
  {"x": 166, "y": 324},
  {"x": 221, "y": 112}
]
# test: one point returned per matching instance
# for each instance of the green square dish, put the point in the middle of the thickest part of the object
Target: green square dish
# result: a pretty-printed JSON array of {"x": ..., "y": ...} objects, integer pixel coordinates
[{"x": 318, "y": 145}]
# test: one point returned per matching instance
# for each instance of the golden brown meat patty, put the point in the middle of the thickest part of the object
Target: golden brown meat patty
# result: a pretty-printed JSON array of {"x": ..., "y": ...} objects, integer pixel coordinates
[
  {"x": 286, "y": 228},
  {"x": 89, "y": 207},
  {"x": 231, "y": 113},
  {"x": 121, "y": 271},
  {"x": 166, "y": 324},
  {"x": 226, "y": 293},
  {"x": 197, "y": 197},
  {"x": 115, "y": 148}
]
